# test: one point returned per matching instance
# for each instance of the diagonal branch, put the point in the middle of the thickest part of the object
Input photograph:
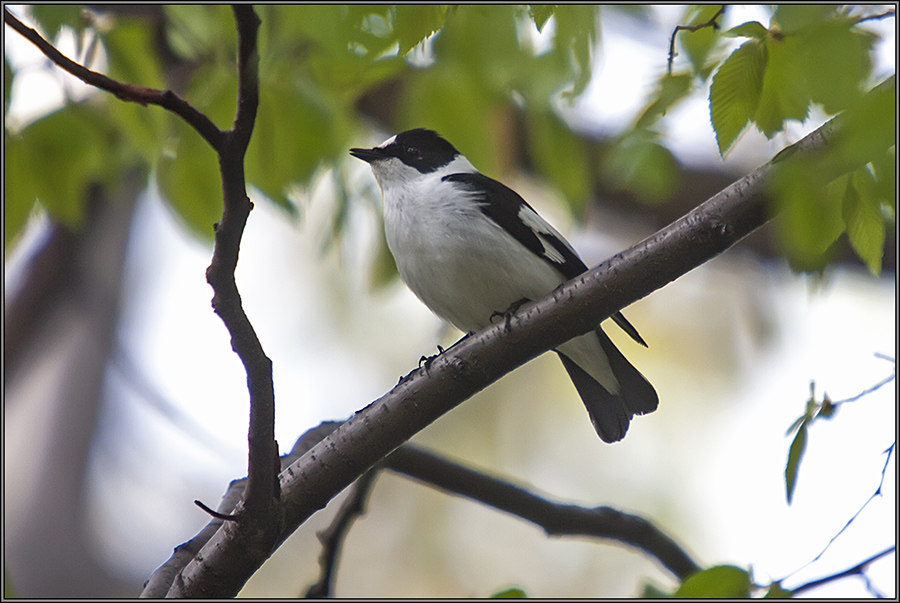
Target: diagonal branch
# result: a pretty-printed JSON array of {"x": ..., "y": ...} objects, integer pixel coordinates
[
  {"x": 480, "y": 359},
  {"x": 124, "y": 91},
  {"x": 555, "y": 518}
]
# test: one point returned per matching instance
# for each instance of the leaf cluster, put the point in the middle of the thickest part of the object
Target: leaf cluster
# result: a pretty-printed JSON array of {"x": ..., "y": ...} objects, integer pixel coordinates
[{"x": 461, "y": 65}]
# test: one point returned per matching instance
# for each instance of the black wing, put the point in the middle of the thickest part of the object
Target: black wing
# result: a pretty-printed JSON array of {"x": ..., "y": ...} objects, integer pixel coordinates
[{"x": 513, "y": 214}]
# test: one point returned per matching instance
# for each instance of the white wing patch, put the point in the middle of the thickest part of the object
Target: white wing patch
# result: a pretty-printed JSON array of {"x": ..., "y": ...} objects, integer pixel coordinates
[{"x": 540, "y": 227}]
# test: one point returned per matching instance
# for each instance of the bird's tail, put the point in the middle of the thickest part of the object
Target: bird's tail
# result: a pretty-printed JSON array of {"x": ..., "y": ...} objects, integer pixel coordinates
[{"x": 611, "y": 410}]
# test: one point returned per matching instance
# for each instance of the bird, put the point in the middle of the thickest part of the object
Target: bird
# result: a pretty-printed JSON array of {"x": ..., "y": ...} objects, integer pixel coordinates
[{"x": 470, "y": 248}]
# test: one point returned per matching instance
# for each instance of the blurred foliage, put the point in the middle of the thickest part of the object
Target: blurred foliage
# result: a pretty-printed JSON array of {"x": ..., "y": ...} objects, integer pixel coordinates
[
  {"x": 719, "y": 582},
  {"x": 510, "y": 593},
  {"x": 465, "y": 71}
]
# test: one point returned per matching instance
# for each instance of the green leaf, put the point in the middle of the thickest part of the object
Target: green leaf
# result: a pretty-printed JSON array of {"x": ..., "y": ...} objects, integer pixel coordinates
[
  {"x": 560, "y": 155},
  {"x": 792, "y": 17},
  {"x": 294, "y": 132},
  {"x": 51, "y": 17},
  {"x": 189, "y": 181},
  {"x": 510, "y": 593},
  {"x": 865, "y": 226},
  {"x": 540, "y": 14},
  {"x": 670, "y": 90},
  {"x": 576, "y": 34},
  {"x": 133, "y": 58},
  {"x": 843, "y": 52},
  {"x": 640, "y": 164},
  {"x": 735, "y": 92},
  {"x": 201, "y": 30},
  {"x": 651, "y": 591},
  {"x": 77, "y": 145},
  {"x": 884, "y": 171},
  {"x": 719, "y": 582},
  {"x": 785, "y": 93},
  {"x": 810, "y": 218},
  {"x": 415, "y": 22},
  {"x": 19, "y": 190},
  {"x": 750, "y": 29},
  {"x": 798, "y": 449},
  {"x": 776, "y": 591},
  {"x": 698, "y": 44}
]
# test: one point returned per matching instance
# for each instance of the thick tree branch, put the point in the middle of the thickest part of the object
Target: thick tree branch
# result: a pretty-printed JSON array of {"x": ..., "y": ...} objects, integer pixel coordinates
[
  {"x": 124, "y": 91},
  {"x": 479, "y": 360},
  {"x": 556, "y": 519},
  {"x": 415, "y": 462}
]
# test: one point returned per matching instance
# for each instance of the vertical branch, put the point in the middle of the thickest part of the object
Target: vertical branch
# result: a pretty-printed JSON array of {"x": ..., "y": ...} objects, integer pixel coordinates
[{"x": 262, "y": 470}]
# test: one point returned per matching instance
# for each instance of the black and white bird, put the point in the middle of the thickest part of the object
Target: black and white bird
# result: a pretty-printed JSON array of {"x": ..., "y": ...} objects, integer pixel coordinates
[{"x": 470, "y": 247}]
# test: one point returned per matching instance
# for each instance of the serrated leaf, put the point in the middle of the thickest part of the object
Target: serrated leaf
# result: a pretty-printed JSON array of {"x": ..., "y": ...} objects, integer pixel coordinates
[
  {"x": 540, "y": 14},
  {"x": 735, "y": 92},
  {"x": 795, "y": 455},
  {"x": 785, "y": 93},
  {"x": 719, "y": 582},
  {"x": 864, "y": 224},
  {"x": 750, "y": 29}
]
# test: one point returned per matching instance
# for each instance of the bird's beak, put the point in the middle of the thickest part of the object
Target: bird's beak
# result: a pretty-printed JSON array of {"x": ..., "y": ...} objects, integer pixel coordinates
[{"x": 367, "y": 155}]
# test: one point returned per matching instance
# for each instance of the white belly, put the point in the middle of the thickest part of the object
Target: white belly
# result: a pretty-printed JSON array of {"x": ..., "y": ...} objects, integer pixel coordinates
[{"x": 465, "y": 274}]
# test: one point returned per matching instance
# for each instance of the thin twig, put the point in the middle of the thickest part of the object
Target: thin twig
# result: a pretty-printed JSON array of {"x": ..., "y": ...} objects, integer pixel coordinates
[
  {"x": 124, "y": 91},
  {"x": 712, "y": 22},
  {"x": 556, "y": 519},
  {"x": 333, "y": 536},
  {"x": 878, "y": 492},
  {"x": 878, "y": 17},
  {"x": 216, "y": 514},
  {"x": 866, "y": 392},
  {"x": 857, "y": 569}
]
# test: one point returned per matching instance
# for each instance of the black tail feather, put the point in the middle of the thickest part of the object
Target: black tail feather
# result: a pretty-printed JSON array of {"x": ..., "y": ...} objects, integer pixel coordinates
[{"x": 610, "y": 413}]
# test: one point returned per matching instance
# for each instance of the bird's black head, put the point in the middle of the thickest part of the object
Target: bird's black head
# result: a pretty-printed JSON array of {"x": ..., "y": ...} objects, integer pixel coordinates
[{"x": 422, "y": 149}]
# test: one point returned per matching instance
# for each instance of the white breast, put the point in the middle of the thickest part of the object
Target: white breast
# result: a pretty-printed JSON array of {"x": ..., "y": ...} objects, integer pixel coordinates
[{"x": 460, "y": 263}]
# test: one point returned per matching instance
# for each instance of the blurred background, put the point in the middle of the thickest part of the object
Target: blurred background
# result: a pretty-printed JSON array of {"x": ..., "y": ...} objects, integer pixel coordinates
[{"x": 123, "y": 401}]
